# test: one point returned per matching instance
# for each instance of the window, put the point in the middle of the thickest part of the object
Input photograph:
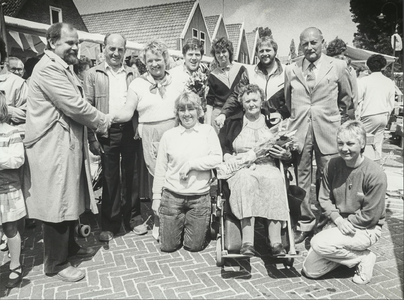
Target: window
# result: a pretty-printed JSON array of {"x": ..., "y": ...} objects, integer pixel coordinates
[
  {"x": 55, "y": 15},
  {"x": 203, "y": 39},
  {"x": 194, "y": 33}
]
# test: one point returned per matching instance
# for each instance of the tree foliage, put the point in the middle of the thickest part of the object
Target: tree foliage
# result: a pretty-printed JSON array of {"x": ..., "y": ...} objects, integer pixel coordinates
[
  {"x": 375, "y": 34},
  {"x": 264, "y": 32},
  {"x": 292, "y": 51}
]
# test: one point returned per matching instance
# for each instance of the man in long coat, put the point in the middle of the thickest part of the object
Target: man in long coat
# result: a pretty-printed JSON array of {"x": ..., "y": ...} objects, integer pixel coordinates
[
  {"x": 57, "y": 185},
  {"x": 318, "y": 94}
]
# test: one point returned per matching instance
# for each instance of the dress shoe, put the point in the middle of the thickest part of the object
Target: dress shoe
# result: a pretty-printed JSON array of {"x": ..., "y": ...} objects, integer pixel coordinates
[
  {"x": 300, "y": 236},
  {"x": 84, "y": 252},
  {"x": 13, "y": 282},
  {"x": 248, "y": 249},
  {"x": 277, "y": 249},
  {"x": 71, "y": 274},
  {"x": 106, "y": 236}
]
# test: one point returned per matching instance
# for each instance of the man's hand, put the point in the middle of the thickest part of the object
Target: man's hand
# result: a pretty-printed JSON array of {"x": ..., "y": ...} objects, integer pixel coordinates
[
  {"x": 96, "y": 148},
  {"x": 220, "y": 120},
  {"x": 184, "y": 171},
  {"x": 156, "y": 206},
  {"x": 345, "y": 226}
]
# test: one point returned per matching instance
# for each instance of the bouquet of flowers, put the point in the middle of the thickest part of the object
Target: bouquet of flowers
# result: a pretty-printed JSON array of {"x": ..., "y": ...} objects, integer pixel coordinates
[
  {"x": 283, "y": 138},
  {"x": 197, "y": 83}
]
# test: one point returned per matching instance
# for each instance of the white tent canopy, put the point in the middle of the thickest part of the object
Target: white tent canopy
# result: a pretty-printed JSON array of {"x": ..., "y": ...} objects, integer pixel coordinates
[{"x": 359, "y": 56}]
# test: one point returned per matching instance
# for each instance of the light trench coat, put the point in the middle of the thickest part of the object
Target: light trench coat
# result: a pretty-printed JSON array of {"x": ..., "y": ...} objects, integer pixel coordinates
[{"x": 57, "y": 182}]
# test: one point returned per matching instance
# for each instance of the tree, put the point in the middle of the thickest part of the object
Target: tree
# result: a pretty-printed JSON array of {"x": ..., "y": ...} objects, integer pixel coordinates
[
  {"x": 264, "y": 32},
  {"x": 292, "y": 51},
  {"x": 375, "y": 34}
]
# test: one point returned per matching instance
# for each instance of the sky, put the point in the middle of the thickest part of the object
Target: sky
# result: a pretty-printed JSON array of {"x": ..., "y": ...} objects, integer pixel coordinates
[{"x": 286, "y": 18}]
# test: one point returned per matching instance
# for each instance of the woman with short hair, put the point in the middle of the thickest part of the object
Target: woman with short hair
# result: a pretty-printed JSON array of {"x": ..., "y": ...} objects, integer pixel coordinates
[
  {"x": 187, "y": 154},
  {"x": 222, "y": 79}
]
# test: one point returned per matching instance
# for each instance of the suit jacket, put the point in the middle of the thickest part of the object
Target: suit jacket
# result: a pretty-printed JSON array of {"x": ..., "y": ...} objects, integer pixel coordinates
[
  {"x": 326, "y": 106},
  {"x": 57, "y": 182}
]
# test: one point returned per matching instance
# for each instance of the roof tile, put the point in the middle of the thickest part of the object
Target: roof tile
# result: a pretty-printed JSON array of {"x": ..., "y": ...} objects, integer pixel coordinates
[
  {"x": 234, "y": 31},
  {"x": 163, "y": 22},
  {"x": 11, "y": 7},
  {"x": 211, "y": 22}
]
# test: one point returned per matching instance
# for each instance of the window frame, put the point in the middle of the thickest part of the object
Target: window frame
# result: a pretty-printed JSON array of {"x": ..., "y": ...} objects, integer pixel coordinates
[
  {"x": 58, "y": 10},
  {"x": 194, "y": 30}
]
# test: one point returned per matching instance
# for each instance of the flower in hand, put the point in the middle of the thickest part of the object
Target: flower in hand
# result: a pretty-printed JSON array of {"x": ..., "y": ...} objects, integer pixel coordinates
[{"x": 197, "y": 83}]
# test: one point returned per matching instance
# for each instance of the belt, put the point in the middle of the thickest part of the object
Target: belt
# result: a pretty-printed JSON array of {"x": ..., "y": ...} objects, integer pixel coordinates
[{"x": 120, "y": 125}]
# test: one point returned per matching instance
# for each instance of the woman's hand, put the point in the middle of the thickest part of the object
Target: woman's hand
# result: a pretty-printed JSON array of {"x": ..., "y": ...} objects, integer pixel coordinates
[
  {"x": 232, "y": 162},
  {"x": 156, "y": 206},
  {"x": 278, "y": 152},
  {"x": 185, "y": 170},
  {"x": 345, "y": 226}
]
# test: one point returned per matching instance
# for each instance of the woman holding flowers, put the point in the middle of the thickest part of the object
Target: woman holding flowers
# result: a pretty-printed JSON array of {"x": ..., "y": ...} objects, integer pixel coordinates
[
  {"x": 256, "y": 190},
  {"x": 187, "y": 153}
]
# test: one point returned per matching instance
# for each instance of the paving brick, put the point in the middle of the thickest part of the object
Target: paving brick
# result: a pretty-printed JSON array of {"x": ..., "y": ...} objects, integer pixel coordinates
[
  {"x": 61, "y": 295},
  {"x": 25, "y": 291},
  {"x": 280, "y": 294},
  {"x": 37, "y": 292},
  {"x": 203, "y": 291},
  {"x": 144, "y": 290},
  {"x": 117, "y": 284},
  {"x": 157, "y": 292},
  {"x": 95, "y": 293},
  {"x": 170, "y": 294},
  {"x": 49, "y": 293},
  {"x": 184, "y": 296}
]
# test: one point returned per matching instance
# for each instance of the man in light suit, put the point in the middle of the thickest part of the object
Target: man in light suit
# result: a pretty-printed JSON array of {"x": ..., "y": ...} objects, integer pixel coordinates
[{"x": 318, "y": 94}]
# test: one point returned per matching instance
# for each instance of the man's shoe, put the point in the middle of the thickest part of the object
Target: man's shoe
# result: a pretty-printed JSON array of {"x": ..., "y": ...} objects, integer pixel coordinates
[
  {"x": 300, "y": 236},
  {"x": 71, "y": 274},
  {"x": 84, "y": 252},
  {"x": 106, "y": 236},
  {"x": 278, "y": 250},
  {"x": 248, "y": 249},
  {"x": 364, "y": 270}
]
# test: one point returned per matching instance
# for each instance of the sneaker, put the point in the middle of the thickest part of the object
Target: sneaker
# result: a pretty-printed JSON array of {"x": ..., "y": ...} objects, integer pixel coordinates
[{"x": 364, "y": 270}]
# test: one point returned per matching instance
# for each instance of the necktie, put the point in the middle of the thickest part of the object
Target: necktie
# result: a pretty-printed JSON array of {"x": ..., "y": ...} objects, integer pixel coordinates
[{"x": 311, "y": 77}]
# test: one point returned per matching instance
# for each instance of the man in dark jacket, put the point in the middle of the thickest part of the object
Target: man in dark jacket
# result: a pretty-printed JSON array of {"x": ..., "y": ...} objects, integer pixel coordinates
[{"x": 106, "y": 87}]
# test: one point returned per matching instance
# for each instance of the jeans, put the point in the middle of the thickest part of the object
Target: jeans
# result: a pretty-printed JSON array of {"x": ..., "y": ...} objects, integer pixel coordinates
[
  {"x": 184, "y": 218},
  {"x": 330, "y": 248}
]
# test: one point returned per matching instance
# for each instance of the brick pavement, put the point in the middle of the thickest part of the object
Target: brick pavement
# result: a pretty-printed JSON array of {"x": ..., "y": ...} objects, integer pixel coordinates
[{"x": 132, "y": 266}]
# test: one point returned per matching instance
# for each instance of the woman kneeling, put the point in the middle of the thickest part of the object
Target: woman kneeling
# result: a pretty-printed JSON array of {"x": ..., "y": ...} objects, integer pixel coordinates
[
  {"x": 352, "y": 195},
  {"x": 181, "y": 186},
  {"x": 257, "y": 190}
]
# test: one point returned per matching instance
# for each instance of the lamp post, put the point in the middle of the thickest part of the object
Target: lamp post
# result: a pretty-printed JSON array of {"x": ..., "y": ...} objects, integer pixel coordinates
[{"x": 381, "y": 17}]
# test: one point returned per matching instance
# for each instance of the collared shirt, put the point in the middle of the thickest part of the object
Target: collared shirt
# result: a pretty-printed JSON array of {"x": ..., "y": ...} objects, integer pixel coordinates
[
  {"x": 200, "y": 147},
  {"x": 316, "y": 68},
  {"x": 117, "y": 88},
  {"x": 224, "y": 74}
]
